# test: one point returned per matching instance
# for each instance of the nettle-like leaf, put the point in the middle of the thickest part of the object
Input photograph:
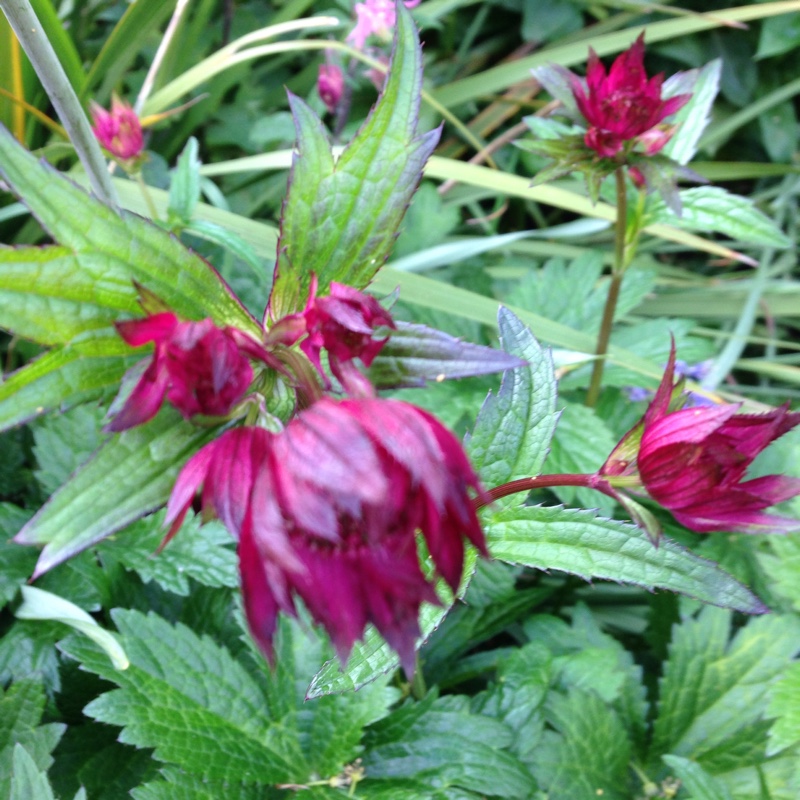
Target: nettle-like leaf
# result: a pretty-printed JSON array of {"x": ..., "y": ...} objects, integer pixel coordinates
[
  {"x": 130, "y": 476},
  {"x": 581, "y": 543},
  {"x": 441, "y": 743},
  {"x": 111, "y": 250},
  {"x": 514, "y": 427},
  {"x": 714, "y": 694},
  {"x": 784, "y": 704},
  {"x": 27, "y": 780},
  {"x": 416, "y": 354},
  {"x": 696, "y": 780},
  {"x": 21, "y": 709},
  {"x": 341, "y": 216}
]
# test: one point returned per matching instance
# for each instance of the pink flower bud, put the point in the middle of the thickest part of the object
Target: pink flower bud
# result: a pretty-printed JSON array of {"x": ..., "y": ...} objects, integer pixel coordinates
[
  {"x": 118, "y": 130},
  {"x": 330, "y": 85}
]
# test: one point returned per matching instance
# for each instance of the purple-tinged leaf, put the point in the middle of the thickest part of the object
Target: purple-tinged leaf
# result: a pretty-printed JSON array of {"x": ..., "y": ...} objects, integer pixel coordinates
[{"x": 416, "y": 354}]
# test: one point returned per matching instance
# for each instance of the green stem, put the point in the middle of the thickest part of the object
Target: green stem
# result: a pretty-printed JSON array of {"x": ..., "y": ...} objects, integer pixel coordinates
[
  {"x": 418, "y": 687},
  {"x": 148, "y": 200},
  {"x": 617, "y": 271},
  {"x": 30, "y": 33}
]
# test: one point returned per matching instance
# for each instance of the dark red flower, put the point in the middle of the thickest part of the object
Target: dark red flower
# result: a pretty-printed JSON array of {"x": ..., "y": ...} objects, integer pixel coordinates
[
  {"x": 343, "y": 323},
  {"x": 198, "y": 367},
  {"x": 693, "y": 460},
  {"x": 624, "y": 104},
  {"x": 327, "y": 511},
  {"x": 118, "y": 130}
]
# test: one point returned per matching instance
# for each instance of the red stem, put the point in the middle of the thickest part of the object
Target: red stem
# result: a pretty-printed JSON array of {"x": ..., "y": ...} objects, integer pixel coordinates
[{"x": 542, "y": 482}]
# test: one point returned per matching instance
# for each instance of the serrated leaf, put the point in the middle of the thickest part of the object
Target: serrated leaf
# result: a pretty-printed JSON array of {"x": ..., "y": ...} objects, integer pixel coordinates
[
  {"x": 696, "y": 781},
  {"x": 713, "y": 688},
  {"x": 130, "y": 476},
  {"x": 21, "y": 709},
  {"x": 584, "y": 544},
  {"x": 451, "y": 747},
  {"x": 178, "y": 785},
  {"x": 416, "y": 354},
  {"x": 340, "y": 219},
  {"x": 711, "y": 208},
  {"x": 588, "y": 752},
  {"x": 41, "y": 605},
  {"x": 28, "y": 648},
  {"x": 201, "y": 553},
  {"x": 514, "y": 427},
  {"x": 64, "y": 377},
  {"x": 62, "y": 443},
  {"x": 130, "y": 246},
  {"x": 189, "y": 699},
  {"x": 28, "y": 782},
  {"x": 784, "y": 704},
  {"x": 693, "y": 118}
]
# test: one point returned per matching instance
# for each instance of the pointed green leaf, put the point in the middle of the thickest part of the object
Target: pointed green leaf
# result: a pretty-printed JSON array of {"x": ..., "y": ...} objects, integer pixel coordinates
[
  {"x": 188, "y": 698},
  {"x": 514, "y": 428},
  {"x": 592, "y": 547},
  {"x": 64, "y": 377},
  {"x": 696, "y": 781},
  {"x": 28, "y": 782},
  {"x": 415, "y": 354},
  {"x": 784, "y": 704},
  {"x": 130, "y": 476},
  {"x": 134, "y": 248},
  {"x": 40, "y": 605},
  {"x": 340, "y": 219},
  {"x": 713, "y": 688}
]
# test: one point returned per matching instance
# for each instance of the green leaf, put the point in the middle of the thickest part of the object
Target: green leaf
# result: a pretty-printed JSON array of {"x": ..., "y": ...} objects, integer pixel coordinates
[
  {"x": 40, "y": 605},
  {"x": 696, "y": 781},
  {"x": 178, "y": 785},
  {"x": 340, "y": 218},
  {"x": 784, "y": 704},
  {"x": 584, "y": 544},
  {"x": 415, "y": 354},
  {"x": 450, "y": 747},
  {"x": 63, "y": 443},
  {"x": 64, "y": 377},
  {"x": 21, "y": 709},
  {"x": 201, "y": 553},
  {"x": 130, "y": 476},
  {"x": 514, "y": 427},
  {"x": 184, "y": 188},
  {"x": 713, "y": 688},
  {"x": 693, "y": 118},
  {"x": 28, "y": 782},
  {"x": 28, "y": 648},
  {"x": 711, "y": 208},
  {"x": 189, "y": 699},
  {"x": 587, "y": 753},
  {"x": 136, "y": 249}
]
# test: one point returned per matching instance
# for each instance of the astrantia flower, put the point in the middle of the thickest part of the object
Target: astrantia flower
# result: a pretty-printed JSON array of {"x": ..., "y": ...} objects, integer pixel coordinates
[
  {"x": 623, "y": 105},
  {"x": 198, "y": 367},
  {"x": 343, "y": 323},
  {"x": 693, "y": 461},
  {"x": 327, "y": 511},
  {"x": 330, "y": 85},
  {"x": 375, "y": 17},
  {"x": 118, "y": 130}
]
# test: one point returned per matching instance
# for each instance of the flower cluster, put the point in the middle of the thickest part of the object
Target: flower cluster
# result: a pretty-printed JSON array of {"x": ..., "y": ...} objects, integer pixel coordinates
[
  {"x": 624, "y": 107},
  {"x": 375, "y": 18},
  {"x": 326, "y": 510},
  {"x": 692, "y": 461},
  {"x": 118, "y": 130}
]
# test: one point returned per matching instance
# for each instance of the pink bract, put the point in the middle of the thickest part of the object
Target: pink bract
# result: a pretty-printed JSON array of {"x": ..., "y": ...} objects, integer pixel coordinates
[
  {"x": 198, "y": 367},
  {"x": 693, "y": 462},
  {"x": 328, "y": 510},
  {"x": 330, "y": 85},
  {"x": 623, "y": 105}
]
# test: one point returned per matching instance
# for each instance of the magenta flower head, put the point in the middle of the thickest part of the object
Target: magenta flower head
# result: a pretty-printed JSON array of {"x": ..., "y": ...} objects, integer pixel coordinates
[
  {"x": 198, "y": 367},
  {"x": 623, "y": 105},
  {"x": 344, "y": 324},
  {"x": 375, "y": 17},
  {"x": 118, "y": 130},
  {"x": 693, "y": 461},
  {"x": 327, "y": 511},
  {"x": 330, "y": 85}
]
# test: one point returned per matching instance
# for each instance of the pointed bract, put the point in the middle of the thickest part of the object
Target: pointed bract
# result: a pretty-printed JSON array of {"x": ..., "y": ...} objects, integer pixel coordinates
[{"x": 118, "y": 130}]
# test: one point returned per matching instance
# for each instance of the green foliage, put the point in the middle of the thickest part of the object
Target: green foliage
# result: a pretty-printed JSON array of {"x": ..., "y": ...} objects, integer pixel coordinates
[{"x": 322, "y": 228}]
